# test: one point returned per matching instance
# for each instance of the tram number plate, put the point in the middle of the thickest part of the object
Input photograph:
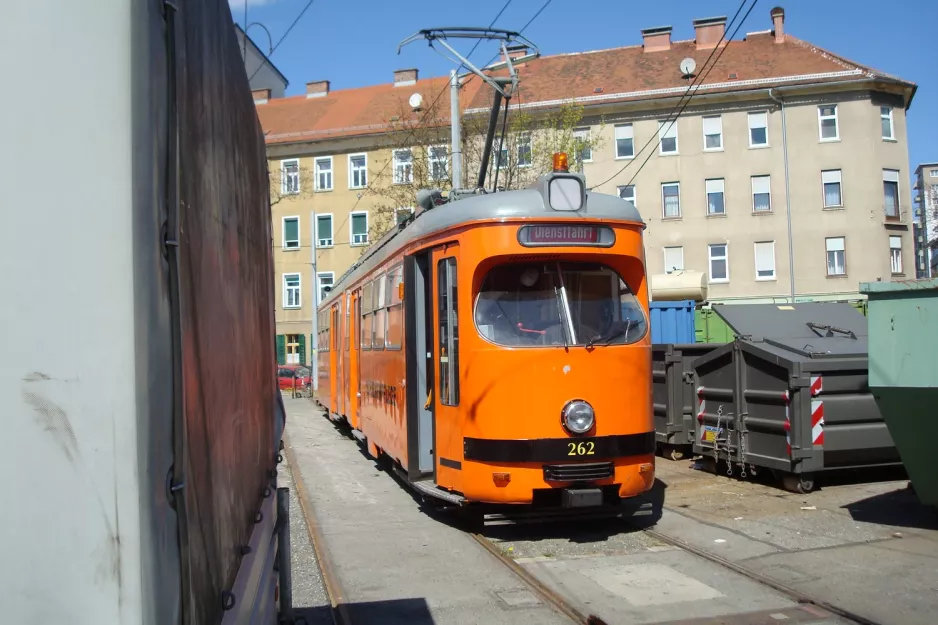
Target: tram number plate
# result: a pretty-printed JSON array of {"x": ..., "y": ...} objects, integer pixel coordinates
[
  {"x": 709, "y": 434},
  {"x": 584, "y": 448}
]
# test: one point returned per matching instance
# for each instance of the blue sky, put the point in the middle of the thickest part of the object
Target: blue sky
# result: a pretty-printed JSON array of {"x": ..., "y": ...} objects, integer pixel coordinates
[{"x": 355, "y": 43}]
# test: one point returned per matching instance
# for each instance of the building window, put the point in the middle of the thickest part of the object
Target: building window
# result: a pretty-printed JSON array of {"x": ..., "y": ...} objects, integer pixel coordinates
[
  {"x": 836, "y": 256},
  {"x": 326, "y": 279},
  {"x": 831, "y": 181},
  {"x": 292, "y": 343},
  {"x": 524, "y": 149},
  {"x": 290, "y": 177},
  {"x": 715, "y": 203},
  {"x": 891, "y": 193},
  {"x": 323, "y": 167},
  {"x": 449, "y": 334},
  {"x": 357, "y": 171},
  {"x": 719, "y": 267},
  {"x": 359, "y": 227},
  {"x": 324, "y": 230},
  {"x": 501, "y": 154},
  {"x": 758, "y": 129},
  {"x": 403, "y": 166},
  {"x": 761, "y": 194},
  {"x": 439, "y": 162},
  {"x": 291, "y": 233},
  {"x": 713, "y": 133},
  {"x": 627, "y": 192},
  {"x": 667, "y": 137},
  {"x": 827, "y": 122},
  {"x": 885, "y": 116},
  {"x": 895, "y": 254},
  {"x": 673, "y": 259},
  {"x": 582, "y": 145},
  {"x": 765, "y": 260},
  {"x": 933, "y": 173},
  {"x": 671, "y": 200},
  {"x": 625, "y": 141},
  {"x": 291, "y": 290}
]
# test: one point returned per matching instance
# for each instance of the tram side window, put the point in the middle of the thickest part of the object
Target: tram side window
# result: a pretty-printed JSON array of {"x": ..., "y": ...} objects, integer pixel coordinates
[
  {"x": 380, "y": 312},
  {"x": 557, "y": 304},
  {"x": 449, "y": 332},
  {"x": 395, "y": 308},
  {"x": 367, "y": 315}
]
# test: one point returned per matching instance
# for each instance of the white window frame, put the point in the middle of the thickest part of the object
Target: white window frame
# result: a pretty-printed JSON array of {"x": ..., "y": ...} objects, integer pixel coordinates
[
  {"x": 755, "y": 251},
  {"x": 670, "y": 133},
  {"x": 522, "y": 138},
  {"x": 895, "y": 255},
  {"x": 351, "y": 232},
  {"x": 752, "y": 190},
  {"x": 634, "y": 193},
  {"x": 284, "y": 233},
  {"x": 665, "y": 249},
  {"x": 719, "y": 121},
  {"x": 432, "y": 158},
  {"x": 628, "y": 132},
  {"x": 330, "y": 240},
  {"x": 316, "y": 173},
  {"x": 892, "y": 123},
  {"x": 286, "y": 291},
  {"x": 888, "y": 175},
  {"x": 283, "y": 176},
  {"x": 750, "y": 127},
  {"x": 587, "y": 133},
  {"x": 933, "y": 173},
  {"x": 828, "y": 251},
  {"x": 832, "y": 176},
  {"x": 820, "y": 120},
  {"x": 352, "y": 170},
  {"x": 497, "y": 150},
  {"x": 319, "y": 285},
  {"x": 722, "y": 191},
  {"x": 711, "y": 258},
  {"x": 396, "y": 164},
  {"x": 680, "y": 212}
]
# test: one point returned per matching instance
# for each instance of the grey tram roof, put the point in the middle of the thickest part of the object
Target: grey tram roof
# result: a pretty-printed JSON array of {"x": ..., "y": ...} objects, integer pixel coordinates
[{"x": 524, "y": 204}]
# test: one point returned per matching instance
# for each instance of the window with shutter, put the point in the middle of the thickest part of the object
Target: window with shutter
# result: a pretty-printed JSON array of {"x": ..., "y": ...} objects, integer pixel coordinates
[
  {"x": 673, "y": 259},
  {"x": 761, "y": 194},
  {"x": 301, "y": 348},
  {"x": 625, "y": 142},
  {"x": 765, "y": 260},
  {"x": 715, "y": 203},
  {"x": 713, "y": 132},
  {"x": 758, "y": 129},
  {"x": 667, "y": 136},
  {"x": 281, "y": 345},
  {"x": 831, "y": 180}
]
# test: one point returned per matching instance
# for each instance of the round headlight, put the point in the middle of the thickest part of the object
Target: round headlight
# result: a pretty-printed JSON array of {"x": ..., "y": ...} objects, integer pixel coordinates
[{"x": 578, "y": 417}]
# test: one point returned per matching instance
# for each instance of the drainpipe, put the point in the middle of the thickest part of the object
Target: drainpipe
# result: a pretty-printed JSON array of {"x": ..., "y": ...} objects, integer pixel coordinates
[{"x": 791, "y": 253}]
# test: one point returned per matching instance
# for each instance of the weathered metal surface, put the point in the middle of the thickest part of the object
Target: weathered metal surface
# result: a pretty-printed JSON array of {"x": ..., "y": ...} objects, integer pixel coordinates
[
  {"x": 672, "y": 322},
  {"x": 673, "y": 391},
  {"x": 903, "y": 375}
]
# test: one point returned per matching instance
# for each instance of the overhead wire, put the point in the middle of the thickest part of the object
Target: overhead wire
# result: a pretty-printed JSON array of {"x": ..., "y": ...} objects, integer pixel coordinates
[
  {"x": 274, "y": 49},
  {"x": 693, "y": 86}
]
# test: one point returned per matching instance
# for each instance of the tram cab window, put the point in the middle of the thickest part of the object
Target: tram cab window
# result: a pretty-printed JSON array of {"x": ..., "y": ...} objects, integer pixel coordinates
[{"x": 556, "y": 304}]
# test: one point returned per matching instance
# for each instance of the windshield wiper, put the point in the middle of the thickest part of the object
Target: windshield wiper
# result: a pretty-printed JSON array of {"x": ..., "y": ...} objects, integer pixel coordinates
[{"x": 617, "y": 328}]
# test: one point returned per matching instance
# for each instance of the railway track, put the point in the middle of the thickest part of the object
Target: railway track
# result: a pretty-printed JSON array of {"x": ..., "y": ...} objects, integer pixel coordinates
[{"x": 339, "y": 601}]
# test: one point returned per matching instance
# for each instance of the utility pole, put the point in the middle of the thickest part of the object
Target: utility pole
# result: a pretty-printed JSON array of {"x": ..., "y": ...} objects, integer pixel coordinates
[
  {"x": 314, "y": 352},
  {"x": 456, "y": 149}
]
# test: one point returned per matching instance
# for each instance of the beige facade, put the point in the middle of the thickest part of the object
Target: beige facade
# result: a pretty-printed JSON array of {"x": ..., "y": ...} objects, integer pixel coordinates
[{"x": 855, "y": 161}]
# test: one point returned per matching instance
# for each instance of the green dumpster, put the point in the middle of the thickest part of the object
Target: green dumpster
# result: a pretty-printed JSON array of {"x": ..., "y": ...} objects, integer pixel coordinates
[{"x": 903, "y": 331}]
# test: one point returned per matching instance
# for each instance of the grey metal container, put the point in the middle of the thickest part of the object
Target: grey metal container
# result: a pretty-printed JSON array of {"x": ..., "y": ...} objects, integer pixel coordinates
[
  {"x": 674, "y": 395},
  {"x": 791, "y": 394}
]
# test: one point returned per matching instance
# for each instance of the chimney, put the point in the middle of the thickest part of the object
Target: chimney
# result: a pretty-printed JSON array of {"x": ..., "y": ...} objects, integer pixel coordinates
[
  {"x": 261, "y": 96},
  {"x": 778, "y": 23},
  {"x": 655, "y": 39},
  {"x": 709, "y": 31},
  {"x": 404, "y": 77},
  {"x": 515, "y": 52},
  {"x": 317, "y": 88}
]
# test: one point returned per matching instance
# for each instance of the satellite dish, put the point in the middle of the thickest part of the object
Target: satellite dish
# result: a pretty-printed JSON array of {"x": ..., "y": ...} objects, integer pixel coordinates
[
  {"x": 688, "y": 66},
  {"x": 415, "y": 101}
]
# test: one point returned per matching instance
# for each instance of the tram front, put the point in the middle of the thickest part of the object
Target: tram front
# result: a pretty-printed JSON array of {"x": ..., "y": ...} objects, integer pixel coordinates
[{"x": 555, "y": 367}]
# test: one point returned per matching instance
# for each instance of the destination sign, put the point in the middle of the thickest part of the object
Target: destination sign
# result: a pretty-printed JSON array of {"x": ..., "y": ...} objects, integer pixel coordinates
[{"x": 563, "y": 234}]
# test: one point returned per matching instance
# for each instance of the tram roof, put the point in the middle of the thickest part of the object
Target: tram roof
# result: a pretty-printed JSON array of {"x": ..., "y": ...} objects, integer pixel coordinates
[{"x": 531, "y": 203}]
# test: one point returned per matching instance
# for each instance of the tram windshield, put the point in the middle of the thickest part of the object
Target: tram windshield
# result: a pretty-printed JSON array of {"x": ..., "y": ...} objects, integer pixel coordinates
[{"x": 557, "y": 303}]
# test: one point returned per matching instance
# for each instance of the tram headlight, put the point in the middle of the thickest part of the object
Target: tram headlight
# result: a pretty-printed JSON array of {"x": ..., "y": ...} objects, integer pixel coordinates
[{"x": 578, "y": 417}]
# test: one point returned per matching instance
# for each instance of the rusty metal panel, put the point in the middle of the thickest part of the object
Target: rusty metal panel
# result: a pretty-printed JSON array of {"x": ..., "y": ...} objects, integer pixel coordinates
[{"x": 227, "y": 315}]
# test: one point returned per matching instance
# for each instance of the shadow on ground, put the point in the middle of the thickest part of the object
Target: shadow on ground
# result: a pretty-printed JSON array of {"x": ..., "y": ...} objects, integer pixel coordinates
[
  {"x": 390, "y": 612},
  {"x": 899, "y": 508}
]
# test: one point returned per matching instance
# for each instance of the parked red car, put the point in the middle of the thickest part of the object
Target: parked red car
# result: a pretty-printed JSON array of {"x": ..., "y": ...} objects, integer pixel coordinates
[{"x": 288, "y": 373}]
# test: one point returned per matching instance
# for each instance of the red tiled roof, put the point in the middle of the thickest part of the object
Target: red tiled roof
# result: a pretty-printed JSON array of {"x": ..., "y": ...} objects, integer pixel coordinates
[{"x": 624, "y": 74}]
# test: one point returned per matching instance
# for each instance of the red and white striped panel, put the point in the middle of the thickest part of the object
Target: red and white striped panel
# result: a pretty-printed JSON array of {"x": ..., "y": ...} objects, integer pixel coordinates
[
  {"x": 817, "y": 410},
  {"x": 701, "y": 405}
]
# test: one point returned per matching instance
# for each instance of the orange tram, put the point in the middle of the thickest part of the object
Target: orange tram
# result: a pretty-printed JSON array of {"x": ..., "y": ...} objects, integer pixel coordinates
[{"x": 494, "y": 348}]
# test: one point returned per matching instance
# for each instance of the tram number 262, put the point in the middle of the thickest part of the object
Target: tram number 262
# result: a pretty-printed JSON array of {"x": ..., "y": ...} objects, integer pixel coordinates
[{"x": 585, "y": 448}]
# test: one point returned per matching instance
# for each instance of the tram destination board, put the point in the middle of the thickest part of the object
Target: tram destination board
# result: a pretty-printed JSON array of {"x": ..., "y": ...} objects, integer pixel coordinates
[
  {"x": 559, "y": 449},
  {"x": 565, "y": 234}
]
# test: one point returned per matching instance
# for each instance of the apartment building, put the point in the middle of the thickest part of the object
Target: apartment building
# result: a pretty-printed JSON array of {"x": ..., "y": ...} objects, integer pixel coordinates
[
  {"x": 785, "y": 177},
  {"x": 926, "y": 222}
]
